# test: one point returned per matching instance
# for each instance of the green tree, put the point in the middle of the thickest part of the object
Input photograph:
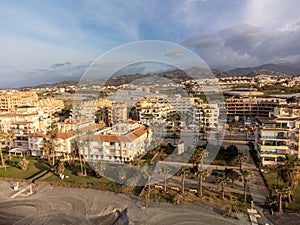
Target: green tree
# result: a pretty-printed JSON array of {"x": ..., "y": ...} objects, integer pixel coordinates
[
  {"x": 240, "y": 159},
  {"x": 146, "y": 173},
  {"x": 198, "y": 155},
  {"x": 246, "y": 175},
  {"x": 61, "y": 168},
  {"x": 165, "y": 170},
  {"x": 221, "y": 179},
  {"x": 46, "y": 147},
  {"x": 174, "y": 118},
  {"x": 52, "y": 133},
  {"x": 232, "y": 175},
  {"x": 10, "y": 137},
  {"x": 201, "y": 174},
  {"x": 2, "y": 138},
  {"x": 184, "y": 171},
  {"x": 289, "y": 171},
  {"x": 280, "y": 190},
  {"x": 147, "y": 128},
  {"x": 23, "y": 164}
]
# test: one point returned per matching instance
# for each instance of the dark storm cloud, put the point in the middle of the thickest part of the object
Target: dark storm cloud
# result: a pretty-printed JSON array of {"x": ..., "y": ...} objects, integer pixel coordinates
[{"x": 245, "y": 45}]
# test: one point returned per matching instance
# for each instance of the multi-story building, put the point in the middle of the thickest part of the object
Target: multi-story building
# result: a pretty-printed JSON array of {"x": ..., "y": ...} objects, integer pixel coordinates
[
  {"x": 119, "y": 143},
  {"x": 10, "y": 100},
  {"x": 150, "y": 111},
  {"x": 278, "y": 135},
  {"x": 251, "y": 107},
  {"x": 203, "y": 115},
  {"x": 118, "y": 112}
]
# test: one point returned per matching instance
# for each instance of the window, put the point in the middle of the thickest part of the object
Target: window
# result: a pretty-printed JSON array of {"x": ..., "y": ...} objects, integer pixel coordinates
[{"x": 112, "y": 143}]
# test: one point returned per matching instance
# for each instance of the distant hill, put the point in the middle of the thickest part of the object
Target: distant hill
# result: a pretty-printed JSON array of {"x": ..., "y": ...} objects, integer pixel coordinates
[
  {"x": 57, "y": 84},
  {"x": 178, "y": 76},
  {"x": 289, "y": 69}
]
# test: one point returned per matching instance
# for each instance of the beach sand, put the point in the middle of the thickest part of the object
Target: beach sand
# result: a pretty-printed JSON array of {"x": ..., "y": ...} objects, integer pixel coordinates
[{"x": 59, "y": 205}]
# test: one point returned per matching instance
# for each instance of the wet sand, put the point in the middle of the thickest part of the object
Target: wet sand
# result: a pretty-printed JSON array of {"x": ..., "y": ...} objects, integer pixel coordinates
[{"x": 59, "y": 205}]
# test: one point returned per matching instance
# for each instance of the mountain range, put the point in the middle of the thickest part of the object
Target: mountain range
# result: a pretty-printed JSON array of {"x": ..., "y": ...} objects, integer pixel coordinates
[{"x": 178, "y": 75}]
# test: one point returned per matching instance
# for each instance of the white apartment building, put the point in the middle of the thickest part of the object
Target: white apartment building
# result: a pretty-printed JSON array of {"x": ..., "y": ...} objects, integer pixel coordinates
[
  {"x": 154, "y": 109},
  {"x": 278, "y": 135},
  {"x": 204, "y": 115},
  {"x": 119, "y": 143}
]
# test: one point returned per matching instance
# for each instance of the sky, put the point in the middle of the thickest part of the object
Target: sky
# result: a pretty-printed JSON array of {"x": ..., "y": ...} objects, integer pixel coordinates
[{"x": 53, "y": 40}]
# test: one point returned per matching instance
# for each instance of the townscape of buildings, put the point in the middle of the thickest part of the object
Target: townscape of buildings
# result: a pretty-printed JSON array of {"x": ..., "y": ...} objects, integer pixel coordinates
[{"x": 118, "y": 131}]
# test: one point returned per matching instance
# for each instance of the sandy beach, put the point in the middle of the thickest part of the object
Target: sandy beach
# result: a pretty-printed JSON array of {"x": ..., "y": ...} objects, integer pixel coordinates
[{"x": 58, "y": 205}]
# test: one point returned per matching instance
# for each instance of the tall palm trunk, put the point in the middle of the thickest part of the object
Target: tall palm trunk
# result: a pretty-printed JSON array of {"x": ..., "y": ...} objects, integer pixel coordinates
[
  {"x": 200, "y": 186},
  {"x": 245, "y": 194},
  {"x": 182, "y": 184},
  {"x": 223, "y": 190},
  {"x": 80, "y": 161},
  {"x": 2, "y": 159},
  {"x": 165, "y": 184},
  {"x": 280, "y": 203}
]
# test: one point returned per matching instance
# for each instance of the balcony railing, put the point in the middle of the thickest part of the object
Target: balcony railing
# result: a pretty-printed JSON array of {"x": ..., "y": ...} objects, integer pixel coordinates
[{"x": 274, "y": 137}]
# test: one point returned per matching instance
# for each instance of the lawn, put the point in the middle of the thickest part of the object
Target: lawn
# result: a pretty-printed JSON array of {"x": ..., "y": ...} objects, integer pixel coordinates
[
  {"x": 14, "y": 171},
  {"x": 295, "y": 205},
  {"x": 271, "y": 178},
  {"x": 74, "y": 180}
]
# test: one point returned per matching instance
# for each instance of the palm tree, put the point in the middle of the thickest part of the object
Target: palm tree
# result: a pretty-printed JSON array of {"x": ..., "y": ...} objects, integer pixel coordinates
[
  {"x": 61, "y": 168},
  {"x": 82, "y": 165},
  {"x": 146, "y": 173},
  {"x": 10, "y": 137},
  {"x": 46, "y": 147},
  {"x": 101, "y": 114},
  {"x": 221, "y": 179},
  {"x": 52, "y": 133},
  {"x": 23, "y": 164},
  {"x": 201, "y": 174},
  {"x": 184, "y": 171},
  {"x": 165, "y": 170},
  {"x": 280, "y": 190},
  {"x": 2, "y": 137},
  {"x": 246, "y": 175},
  {"x": 289, "y": 170},
  {"x": 232, "y": 175},
  {"x": 198, "y": 155},
  {"x": 230, "y": 128},
  {"x": 241, "y": 158},
  {"x": 174, "y": 118},
  {"x": 147, "y": 128}
]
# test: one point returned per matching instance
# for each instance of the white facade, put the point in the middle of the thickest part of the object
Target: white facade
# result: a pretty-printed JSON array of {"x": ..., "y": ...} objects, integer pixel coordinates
[{"x": 119, "y": 143}]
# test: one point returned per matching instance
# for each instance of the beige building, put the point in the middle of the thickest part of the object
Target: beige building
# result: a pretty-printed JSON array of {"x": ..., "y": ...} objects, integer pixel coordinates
[
  {"x": 278, "y": 135},
  {"x": 10, "y": 100}
]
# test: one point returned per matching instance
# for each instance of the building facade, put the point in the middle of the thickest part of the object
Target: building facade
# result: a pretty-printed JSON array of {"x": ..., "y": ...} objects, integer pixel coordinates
[{"x": 278, "y": 135}]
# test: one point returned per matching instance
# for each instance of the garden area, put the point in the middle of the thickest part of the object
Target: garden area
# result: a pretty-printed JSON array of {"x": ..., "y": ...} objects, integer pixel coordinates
[{"x": 14, "y": 171}]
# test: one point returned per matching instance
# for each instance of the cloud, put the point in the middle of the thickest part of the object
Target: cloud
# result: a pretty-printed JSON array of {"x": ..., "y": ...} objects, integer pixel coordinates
[
  {"x": 245, "y": 45},
  {"x": 271, "y": 14},
  {"x": 59, "y": 65},
  {"x": 20, "y": 78}
]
